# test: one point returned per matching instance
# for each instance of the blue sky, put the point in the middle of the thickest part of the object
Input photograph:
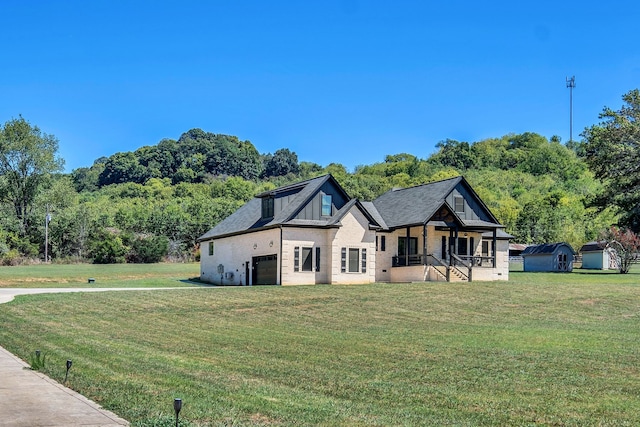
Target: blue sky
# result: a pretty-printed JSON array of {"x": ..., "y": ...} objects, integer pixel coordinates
[{"x": 336, "y": 81}]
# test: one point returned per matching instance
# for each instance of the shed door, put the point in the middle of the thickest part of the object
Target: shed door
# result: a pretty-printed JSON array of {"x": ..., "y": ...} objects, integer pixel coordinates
[
  {"x": 563, "y": 264},
  {"x": 265, "y": 270}
]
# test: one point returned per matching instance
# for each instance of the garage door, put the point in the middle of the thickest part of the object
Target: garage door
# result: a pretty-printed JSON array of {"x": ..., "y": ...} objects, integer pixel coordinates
[{"x": 265, "y": 270}]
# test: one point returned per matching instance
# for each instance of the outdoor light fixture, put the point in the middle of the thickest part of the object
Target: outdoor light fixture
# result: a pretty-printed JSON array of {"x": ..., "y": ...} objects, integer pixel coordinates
[
  {"x": 69, "y": 362},
  {"x": 177, "y": 405}
]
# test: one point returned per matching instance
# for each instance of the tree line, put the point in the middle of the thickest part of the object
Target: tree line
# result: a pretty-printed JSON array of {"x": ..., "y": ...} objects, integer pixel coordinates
[{"x": 152, "y": 203}]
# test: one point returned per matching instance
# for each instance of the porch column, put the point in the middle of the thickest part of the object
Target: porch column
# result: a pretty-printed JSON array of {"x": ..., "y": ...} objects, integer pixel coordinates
[
  {"x": 455, "y": 248},
  {"x": 451, "y": 243},
  {"x": 424, "y": 243},
  {"x": 407, "y": 246},
  {"x": 493, "y": 247}
]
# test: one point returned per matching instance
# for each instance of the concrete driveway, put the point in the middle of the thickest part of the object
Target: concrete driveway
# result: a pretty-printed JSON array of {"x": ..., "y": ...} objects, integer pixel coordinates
[{"x": 8, "y": 294}]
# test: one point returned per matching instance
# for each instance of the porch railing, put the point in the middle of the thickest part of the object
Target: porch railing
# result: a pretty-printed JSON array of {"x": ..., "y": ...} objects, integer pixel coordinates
[
  {"x": 401, "y": 261},
  {"x": 478, "y": 261},
  {"x": 467, "y": 261},
  {"x": 457, "y": 262}
]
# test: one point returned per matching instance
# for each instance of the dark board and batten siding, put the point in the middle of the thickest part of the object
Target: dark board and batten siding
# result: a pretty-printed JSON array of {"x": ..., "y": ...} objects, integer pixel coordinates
[
  {"x": 472, "y": 208},
  {"x": 313, "y": 209}
]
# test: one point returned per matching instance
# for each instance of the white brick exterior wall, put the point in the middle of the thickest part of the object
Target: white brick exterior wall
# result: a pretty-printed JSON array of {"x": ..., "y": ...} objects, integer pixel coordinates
[{"x": 233, "y": 252}]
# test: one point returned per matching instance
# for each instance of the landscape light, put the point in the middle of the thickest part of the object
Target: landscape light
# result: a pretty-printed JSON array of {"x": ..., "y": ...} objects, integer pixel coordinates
[
  {"x": 69, "y": 362},
  {"x": 177, "y": 405}
]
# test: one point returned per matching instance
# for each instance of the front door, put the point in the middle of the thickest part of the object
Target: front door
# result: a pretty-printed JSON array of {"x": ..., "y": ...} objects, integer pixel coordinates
[{"x": 462, "y": 246}]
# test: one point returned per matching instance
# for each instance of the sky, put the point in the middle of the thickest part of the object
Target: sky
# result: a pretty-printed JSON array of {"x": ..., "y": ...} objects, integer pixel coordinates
[{"x": 335, "y": 81}]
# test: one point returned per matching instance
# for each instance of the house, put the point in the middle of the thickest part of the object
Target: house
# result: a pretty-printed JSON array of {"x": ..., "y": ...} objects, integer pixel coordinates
[
  {"x": 598, "y": 257},
  {"x": 556, "y": 257},
  {"x": 312, "y": 232},
  {"x": 515, "y": 249}
]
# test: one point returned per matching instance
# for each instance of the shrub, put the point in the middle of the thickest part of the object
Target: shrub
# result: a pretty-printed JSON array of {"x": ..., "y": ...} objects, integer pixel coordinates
[
  {"x": 108, "y": 249},
  {"x": 148, "y": 249}
]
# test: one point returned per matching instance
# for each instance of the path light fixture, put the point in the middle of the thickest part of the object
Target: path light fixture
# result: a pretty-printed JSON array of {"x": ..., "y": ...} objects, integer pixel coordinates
[
  {"x": 69, "y": 362},
  {"x": 177, "y": 405}
]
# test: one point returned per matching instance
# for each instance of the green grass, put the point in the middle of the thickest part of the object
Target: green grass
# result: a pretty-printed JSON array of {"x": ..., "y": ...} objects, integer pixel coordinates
[
  {"x": 541, "y": 349},
  {"x": 110, "y": 275}
]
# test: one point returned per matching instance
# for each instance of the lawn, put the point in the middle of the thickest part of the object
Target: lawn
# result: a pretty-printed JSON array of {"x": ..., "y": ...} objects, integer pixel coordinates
[
  {"x": 110, "y": 275},
  {"x": 541, "y": 349}
]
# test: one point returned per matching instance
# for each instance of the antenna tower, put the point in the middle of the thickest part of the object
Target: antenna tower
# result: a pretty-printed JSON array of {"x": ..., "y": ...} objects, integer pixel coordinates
[{"x": 571, "y": 83}]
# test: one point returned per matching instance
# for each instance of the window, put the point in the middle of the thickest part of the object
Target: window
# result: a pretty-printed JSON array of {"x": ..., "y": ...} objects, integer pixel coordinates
[
  {"x": 306, "y": 259},
  {"x": 485, "y": 248},
  {"x": 318, "y": 258},
  {"x": 306, "y": 262},
  {"x": 351, "y": 261},
  {"x": 354, "y": 258},
  {"x": 210, "y": 248},
  {"x": 267, "y": 207},
  {"x": 326, "y": 205},
  {"x": 458, "y": 202},
  {"x": 402, "y": 246}
]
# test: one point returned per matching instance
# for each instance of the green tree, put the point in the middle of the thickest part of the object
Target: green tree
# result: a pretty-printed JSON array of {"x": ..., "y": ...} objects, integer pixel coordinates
[
  {"x": 123, "y": 167},
  {"x": 28, "y": 157},
  {"x": 612, "y": 150},
  {"x": 626, "y": 244},
  {"x": 283, "y": 162},
  {"x": 454, "y": 154}
]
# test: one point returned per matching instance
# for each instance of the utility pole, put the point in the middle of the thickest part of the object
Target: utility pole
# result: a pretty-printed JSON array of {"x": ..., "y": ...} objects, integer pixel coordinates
[
  {"x": 571, "y": 83},
  {"x": 47, "y": 218}
]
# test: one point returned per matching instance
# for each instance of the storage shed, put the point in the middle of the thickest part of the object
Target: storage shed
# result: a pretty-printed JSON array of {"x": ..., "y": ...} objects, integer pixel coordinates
[
  {"x": 549, "y": 257},
  {"x": 596, "y": 256}
]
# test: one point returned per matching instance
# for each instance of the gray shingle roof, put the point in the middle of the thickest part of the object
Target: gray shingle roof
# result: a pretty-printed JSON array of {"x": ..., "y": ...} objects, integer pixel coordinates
[
  {"x": 413, "y": 205},
  {"x": 248, "y": 217}
]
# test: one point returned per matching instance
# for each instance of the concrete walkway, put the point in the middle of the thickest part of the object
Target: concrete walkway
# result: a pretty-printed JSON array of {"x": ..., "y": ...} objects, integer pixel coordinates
[{"x": 31, "y": 399}]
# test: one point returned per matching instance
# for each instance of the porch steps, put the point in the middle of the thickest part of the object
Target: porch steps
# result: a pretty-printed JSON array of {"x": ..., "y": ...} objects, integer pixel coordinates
[{"x": 454, "y": 276}]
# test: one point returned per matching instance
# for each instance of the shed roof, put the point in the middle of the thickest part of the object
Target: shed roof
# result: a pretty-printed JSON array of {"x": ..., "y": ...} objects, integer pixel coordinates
[
  {"x": 545, "y": 249},
  {"x": 592, "y": 247}
]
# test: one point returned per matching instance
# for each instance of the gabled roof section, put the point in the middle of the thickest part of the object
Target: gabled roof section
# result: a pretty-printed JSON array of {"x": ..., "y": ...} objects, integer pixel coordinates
[
  {"x": 373, "y": 212},
  {"x": 414, "y": 205},
  {"x": 373, "y": 223},
  {"x": 417, "y": 205},
  {"x": 249, "y": 217}
]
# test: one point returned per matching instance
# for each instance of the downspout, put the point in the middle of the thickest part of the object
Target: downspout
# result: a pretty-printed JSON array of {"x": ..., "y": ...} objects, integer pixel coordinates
[
  {"x": 280, "y": 255},
  {"x": 424, "y": 244}
]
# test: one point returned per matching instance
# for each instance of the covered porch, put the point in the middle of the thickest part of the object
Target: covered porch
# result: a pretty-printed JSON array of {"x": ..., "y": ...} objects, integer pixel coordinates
[{"x": 444, "y": 251}]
